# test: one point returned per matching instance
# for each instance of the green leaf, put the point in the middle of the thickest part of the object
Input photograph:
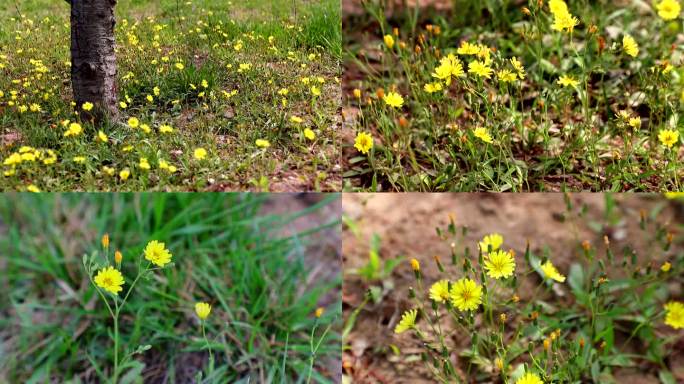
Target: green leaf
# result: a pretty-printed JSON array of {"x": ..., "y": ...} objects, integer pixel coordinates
[{"x": 666, "y": 377}]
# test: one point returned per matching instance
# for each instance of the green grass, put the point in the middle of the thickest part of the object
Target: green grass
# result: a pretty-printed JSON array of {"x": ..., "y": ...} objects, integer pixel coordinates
[
  {"x": 291, "y": 45},
  {"x": 54, "y": 327},
  {"x": 545, "y": 137}
]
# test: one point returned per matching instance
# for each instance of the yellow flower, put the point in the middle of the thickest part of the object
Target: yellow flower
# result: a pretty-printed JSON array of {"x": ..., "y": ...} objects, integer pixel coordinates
[
  {"x": 123, "y": 105},
  {"x": 408, "y": 321},
  {"x": 309, "y": 134},
  {"x": 668, "y": 9},
  {"x": 363, "y": 142},
  {"x": 357, "y": 93},
  {"x": 124, "y": 174},
  {"x": 482, "y": 134},
  {"x": 87, "y": 106},
  {"x": 110, "y": 279},
  {"x": 144, "y": 164},
  {"x": 415, "y": 265},
  {"x": 102, "y": 137},
  {"x": 448, "y": 66},
  {"x": 494, "y": 240},
  {"x": 157, "y": 253},
  {"x": 156, "y": 91},
  {"x": 261, "y": 143},
  {"x": 529, "y": 378},
  {"x": 180, "y": 66},
  {"x": 518, "y": 68},
  {"x": 149, "y": 98},
  {"x": 567, "y": 81},
  {"x": 296, "y": 119},
  {"x": 33, "y": 188},
  {"x": 668, "y": 137},
  {"x": 550, "y": 272},
  {"x": 393, "y": 99},
  {"x": 499, "y": 264},
  {"x": 674, "y": 316},
  {"x": 133, "y": 122},
  {"x": 75, "y": 129},
  {"x": 200, "y": 154},
  {"x": 79, "y": 159},
  {"x": 433, "y": 87},
  {"x": 315, "y": 91},
  {"x": 634, "y": 122},
  {"x": 630, "y": 46},
  {"x": 439, "y": 291},
  {"x": 506, "y": 76},
  {"x": 389, "y": 41},
  {"x": 165, "y": 129},
  {"x": 480, "y": 68},
  {"x": 202, "y": 310},
  {"x": 666, "y": 266},
  {"x": 466, "y": 294},
  {"x": 319, "y": 312},
  {"x": 467, "y": 49},
  {"x": 562, "y": 19}
]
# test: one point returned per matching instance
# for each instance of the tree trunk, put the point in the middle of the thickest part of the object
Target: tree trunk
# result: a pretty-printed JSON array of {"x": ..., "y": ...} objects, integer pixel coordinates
[{"x": 93, "y": 60}]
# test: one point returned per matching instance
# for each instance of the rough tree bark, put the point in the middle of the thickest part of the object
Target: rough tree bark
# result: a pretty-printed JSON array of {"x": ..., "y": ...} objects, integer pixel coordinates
[{"x": 93, "y": 60}]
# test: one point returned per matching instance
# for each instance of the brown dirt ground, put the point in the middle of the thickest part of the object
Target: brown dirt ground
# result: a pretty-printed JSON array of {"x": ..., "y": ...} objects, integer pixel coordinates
[{"x": 406, "y": 224}]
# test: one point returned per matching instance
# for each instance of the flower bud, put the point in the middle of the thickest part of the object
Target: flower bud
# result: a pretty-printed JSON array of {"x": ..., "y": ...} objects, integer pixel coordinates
[
  {"x": 319, "y": 312},
  {"x": 105, "y": 241},
  {"x": 118, "y": 257}
]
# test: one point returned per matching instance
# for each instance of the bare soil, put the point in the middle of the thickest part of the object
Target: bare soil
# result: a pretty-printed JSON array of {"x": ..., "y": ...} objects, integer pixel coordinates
[{"x": 406, "y": 224}]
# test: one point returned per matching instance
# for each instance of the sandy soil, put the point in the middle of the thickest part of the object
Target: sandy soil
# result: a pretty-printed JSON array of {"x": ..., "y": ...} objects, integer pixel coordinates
[{"x": 406, "y": 224}]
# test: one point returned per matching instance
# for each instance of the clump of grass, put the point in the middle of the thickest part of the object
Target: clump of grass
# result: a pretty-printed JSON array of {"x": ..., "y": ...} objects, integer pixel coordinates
[
  {"x": 536, "y": 96},
  {"x": 225, "y": 253}
]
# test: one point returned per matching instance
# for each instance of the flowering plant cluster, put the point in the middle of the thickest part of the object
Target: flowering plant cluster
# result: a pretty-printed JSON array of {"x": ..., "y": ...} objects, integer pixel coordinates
[
  {"x": 539, "y": 335},
  {"x": 530, "y": 94}
]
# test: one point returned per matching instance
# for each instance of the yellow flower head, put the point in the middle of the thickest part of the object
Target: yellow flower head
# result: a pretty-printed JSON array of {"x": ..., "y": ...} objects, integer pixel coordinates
[
  {"x": 448, "y": 66},
  {"x": 666, "y": 266},
  {"x": 518, "y": 68},
  {"x": 439, "y": 291},
  {"x": 363, "y": 142},
  {"x": 261, "y": 143},
  {"x": 433, "y": 87},
  {"x": 202, "y": 310},
  {"x": 309, "y": 134},
  {"x": 468, "y": 49},
  {"x": 75, "y": 129},
  {"x": 480, "y": 68},
  {"x": 87, "y": 106},
  {"x": 506, "y": 76},
  {"x": 110, "y": 279},
  {"x": 674, "y": 314},
  {"x": 133, "y": 122},
  {"x": 668, "y": 137},
  {"x": 499, "y": 264},
  {"x": 157, "y": 253},
  {"x": 529, "y": 378},
  {"x": 482, "y": 134},
  {"x": 102, "y": 136},
  {"x": 393, "y": 99},
  {"x": 415, "y": 264},
  {"x": 550, "y": 272},
  {"x": 493, "y": 240},
  {"x": 389, "y": 41},
  {"x": 319, "y": 312},
  {"x": 466, "y": 294},
  {"x": 668, "y": 9},
  {"x": 124, "y": 174},
  {"x": 630, "y": 46},
  {"x": 200, "y": 154},
  {"x": 408, "y": 321},
  {"x": 567, "y": 81}
]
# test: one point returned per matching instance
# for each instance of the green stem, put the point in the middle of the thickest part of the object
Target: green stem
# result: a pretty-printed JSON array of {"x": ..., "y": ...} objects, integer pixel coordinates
[
  {"x": 116, "y": 345},
  {"x": 211, "y": 356}
]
